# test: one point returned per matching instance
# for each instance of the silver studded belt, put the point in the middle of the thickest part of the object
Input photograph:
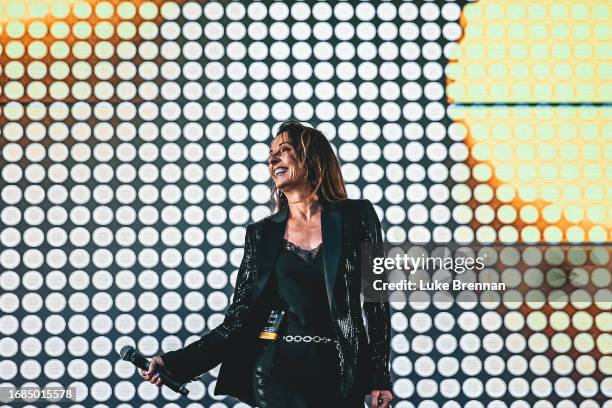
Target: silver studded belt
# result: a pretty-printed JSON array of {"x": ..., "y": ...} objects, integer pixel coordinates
[{"x": 296, "y": 338}]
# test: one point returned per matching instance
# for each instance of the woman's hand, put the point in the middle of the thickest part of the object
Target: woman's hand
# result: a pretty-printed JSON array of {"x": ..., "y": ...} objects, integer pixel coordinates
[
  {"x": 385, "y": 395},
  {"x": 152, "y": 376}
]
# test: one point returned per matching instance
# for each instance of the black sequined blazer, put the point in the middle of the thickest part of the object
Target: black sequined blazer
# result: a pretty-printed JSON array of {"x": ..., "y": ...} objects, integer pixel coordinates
[{"x": 363, "y": 330}]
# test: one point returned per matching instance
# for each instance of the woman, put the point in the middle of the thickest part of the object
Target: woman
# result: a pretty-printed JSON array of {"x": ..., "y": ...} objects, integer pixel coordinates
[{"x": 304, "y": 260}]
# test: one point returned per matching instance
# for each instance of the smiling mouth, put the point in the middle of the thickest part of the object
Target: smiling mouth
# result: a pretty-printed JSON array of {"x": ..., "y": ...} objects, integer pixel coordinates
[{"x": 279, "y": 171}]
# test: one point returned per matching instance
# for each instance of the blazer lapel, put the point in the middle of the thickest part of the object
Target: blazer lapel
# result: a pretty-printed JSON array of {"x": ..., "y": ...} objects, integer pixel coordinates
[
  {"x": 273, "y": 231},
  {"x": 331, "y": 230},
  {"x": 272, "y": 239}
]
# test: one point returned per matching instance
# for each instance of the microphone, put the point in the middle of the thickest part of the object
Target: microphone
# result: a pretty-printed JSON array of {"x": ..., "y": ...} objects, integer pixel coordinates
[{"x": 129, "y": 353}]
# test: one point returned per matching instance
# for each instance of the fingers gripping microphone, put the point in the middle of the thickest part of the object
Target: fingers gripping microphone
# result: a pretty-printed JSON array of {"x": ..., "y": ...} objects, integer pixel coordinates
[{"x": 129, "y": 353}]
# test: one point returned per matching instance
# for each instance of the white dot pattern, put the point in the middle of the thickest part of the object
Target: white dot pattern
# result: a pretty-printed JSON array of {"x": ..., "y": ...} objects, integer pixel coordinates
[{"x": 132, "y": 157}]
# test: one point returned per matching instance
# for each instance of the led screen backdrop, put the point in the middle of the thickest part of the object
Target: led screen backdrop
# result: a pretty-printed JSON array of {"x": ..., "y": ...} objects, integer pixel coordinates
[{"x": 133, "y": 140}]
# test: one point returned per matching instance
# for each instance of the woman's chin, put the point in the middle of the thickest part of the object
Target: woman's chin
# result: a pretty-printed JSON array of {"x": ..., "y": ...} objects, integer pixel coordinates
[
  {"x": 287, "y": 185},
  {"x": 280, "y": 186}
]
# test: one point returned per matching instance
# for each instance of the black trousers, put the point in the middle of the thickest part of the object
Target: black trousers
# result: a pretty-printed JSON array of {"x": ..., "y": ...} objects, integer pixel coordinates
[{"x": 299, "y": 375}]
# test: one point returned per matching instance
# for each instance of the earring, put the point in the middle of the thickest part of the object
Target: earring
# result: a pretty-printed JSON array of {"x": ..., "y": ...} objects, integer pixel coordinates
[{"x": 311, "y": 179}]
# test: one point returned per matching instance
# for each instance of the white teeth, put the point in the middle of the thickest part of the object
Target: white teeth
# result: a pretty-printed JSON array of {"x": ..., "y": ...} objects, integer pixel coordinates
[{"x": 280, "y": 170}]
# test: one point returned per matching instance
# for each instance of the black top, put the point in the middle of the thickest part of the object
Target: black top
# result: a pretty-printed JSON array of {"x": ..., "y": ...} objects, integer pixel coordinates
[{"x": 301, "y": 291}]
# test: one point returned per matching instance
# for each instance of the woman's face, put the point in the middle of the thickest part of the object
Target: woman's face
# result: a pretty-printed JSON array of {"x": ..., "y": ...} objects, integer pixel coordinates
[{"x": 283, "y": 163}]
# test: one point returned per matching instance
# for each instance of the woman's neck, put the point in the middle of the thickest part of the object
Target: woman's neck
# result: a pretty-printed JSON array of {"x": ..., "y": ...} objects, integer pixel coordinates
[{"x": 304, "y": 210}]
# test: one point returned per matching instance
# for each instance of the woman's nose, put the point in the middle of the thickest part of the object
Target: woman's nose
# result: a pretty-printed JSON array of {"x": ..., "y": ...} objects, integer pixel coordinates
[{"x": 273, "y": 159}]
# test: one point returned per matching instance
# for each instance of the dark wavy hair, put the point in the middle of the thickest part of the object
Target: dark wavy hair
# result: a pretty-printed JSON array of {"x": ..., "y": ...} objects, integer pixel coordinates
[{"x": 322, "y": 167}]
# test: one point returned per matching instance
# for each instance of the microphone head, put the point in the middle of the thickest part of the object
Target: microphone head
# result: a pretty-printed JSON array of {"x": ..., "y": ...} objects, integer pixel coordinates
[{"x": 127, "y": 353}]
